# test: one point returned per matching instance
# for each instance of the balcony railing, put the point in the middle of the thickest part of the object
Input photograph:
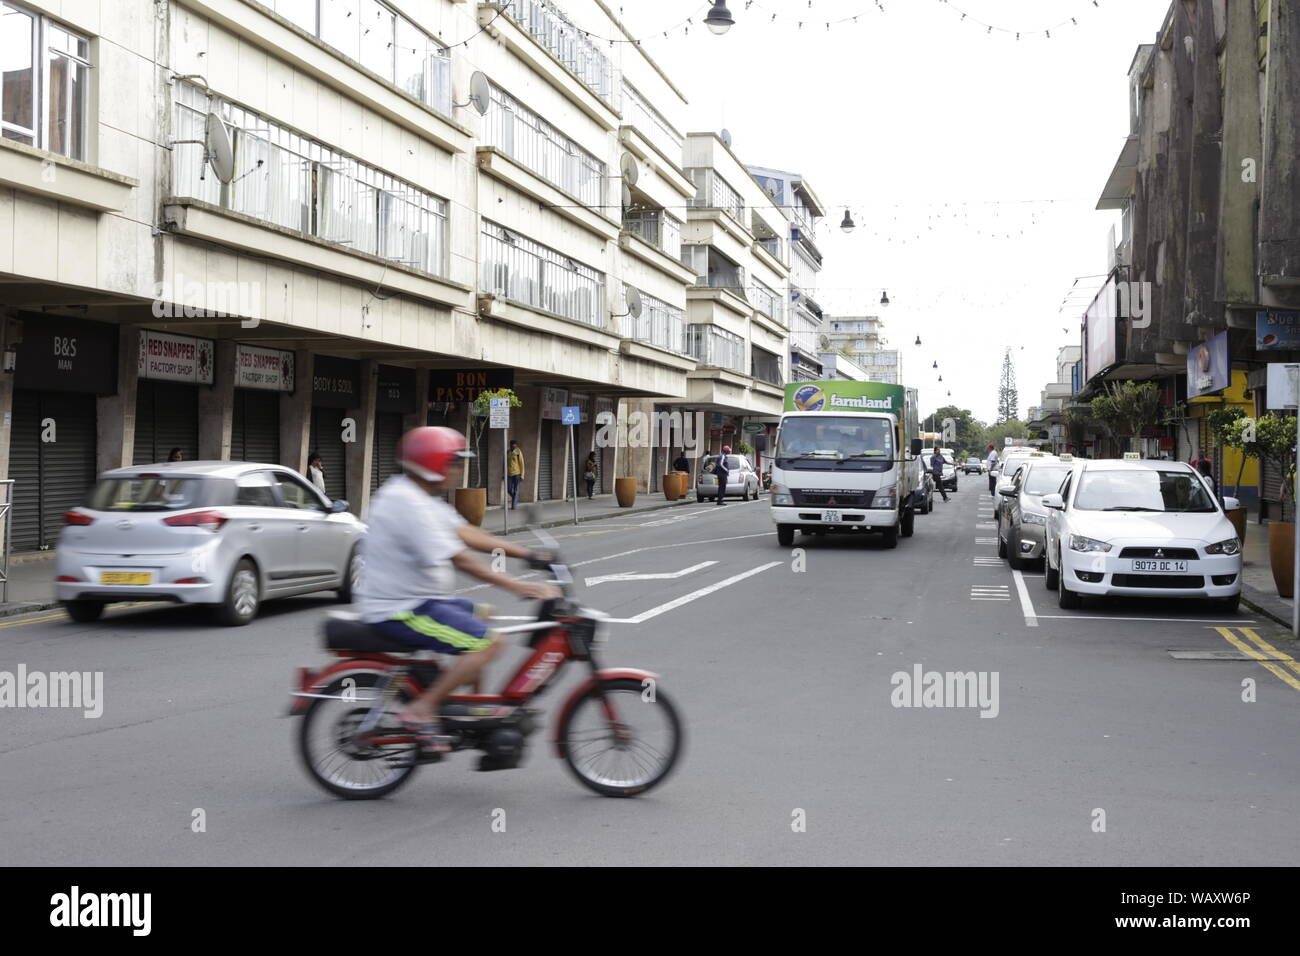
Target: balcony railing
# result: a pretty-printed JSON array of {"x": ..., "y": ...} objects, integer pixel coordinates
[
  {"x": 775, "y": 248},
  {"x": 710, "y": 345},
  {"x": 648, "y": 121},
  {"x": 657, "y": 228},
  {"x": 537, "y": 145},
  {"x": 556, "y": 32},
  {"x": 768, "y": 301},
  {"x": 714, "y": 192},
  {"x": 290, "y": 181},
  {"x": 659, "y": 324},
  {"x": 527, "y": 272}
]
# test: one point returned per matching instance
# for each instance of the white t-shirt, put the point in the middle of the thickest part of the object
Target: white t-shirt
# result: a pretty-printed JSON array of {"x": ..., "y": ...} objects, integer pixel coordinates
[
  {"x": 410, "y": 540},
  {"x": 317, "y": 478},
  {"x": 993, "y": 461}
]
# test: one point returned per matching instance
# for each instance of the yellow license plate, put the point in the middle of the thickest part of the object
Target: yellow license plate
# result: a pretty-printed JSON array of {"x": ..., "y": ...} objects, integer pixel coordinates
[{"x": 126, "y": 577}]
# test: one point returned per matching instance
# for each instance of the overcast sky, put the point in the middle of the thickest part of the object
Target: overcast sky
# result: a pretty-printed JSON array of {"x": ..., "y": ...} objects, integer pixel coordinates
[{"x": 915, "y": 120}]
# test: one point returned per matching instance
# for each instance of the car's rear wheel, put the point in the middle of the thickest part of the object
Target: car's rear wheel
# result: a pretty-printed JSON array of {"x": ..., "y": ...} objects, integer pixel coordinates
[
  {"x": 243, "y": 596},
  {"x": 84, "y": 612}
]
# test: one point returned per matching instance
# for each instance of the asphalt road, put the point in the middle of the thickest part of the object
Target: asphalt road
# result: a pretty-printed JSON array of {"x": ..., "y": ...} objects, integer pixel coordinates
[{"x": 782, "y": 662}]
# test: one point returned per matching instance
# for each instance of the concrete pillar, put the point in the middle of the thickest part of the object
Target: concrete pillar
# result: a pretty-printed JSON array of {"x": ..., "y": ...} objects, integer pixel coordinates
[
  {"x": 360, "y": 452},
  {"x": 116, "y": 413},
  {"x": 295, "y": 414},
  {"x": 217, "y": 406},
  {"x": 420, "y": 416},
  {"x": 6, "y": 414},
  {"x": 525, "y": 428}
]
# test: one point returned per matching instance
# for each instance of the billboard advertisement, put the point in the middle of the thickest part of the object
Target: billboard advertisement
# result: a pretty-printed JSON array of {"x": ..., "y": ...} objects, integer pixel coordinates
[
  {"x": 1207, "y": 367},
  {"x": 1277, "y": 330},
  {"x": 1100, "y": 342},
  {"x": 844, "y": 396}
]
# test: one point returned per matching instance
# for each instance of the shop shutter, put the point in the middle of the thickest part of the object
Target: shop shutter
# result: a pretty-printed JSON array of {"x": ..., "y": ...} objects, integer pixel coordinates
[
  {"x": 544, "y": 485},
  {"x": 327, "y": 441},
  {"x": 383, "y": 459},
  {"x": 49, "y": 477},
  {"x": 25, "y": 470},
  {"x": 255, "y": 429},
  {"x": 166, "y": 417}
]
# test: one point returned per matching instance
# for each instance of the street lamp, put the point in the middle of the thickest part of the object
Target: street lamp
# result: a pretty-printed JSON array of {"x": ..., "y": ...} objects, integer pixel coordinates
[
  {"x": 941, "y": 378},
  {"x": 918, "y": 340},
  {"x": 936, "y": 364},
  {"x": 847, "y": 224},
  {"x": 719, "y": 19},
  {"x": 884, "y": 297}
]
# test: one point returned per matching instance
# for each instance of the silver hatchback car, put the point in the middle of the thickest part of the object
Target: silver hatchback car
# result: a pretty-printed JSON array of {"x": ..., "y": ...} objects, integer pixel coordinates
[
  {"x": 742, "y": 480},
  {"x": 228, "y": 534}
]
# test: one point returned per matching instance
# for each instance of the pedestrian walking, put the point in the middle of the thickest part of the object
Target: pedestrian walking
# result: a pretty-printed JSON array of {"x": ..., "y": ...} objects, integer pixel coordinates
[
  {"x": 514, "y": 473},
  {"x": 589, "y": 474},
  {"x": 936, "y": 469},
  {"x": 992, "y": 465},
  {"x": 721, "y": 474},
  {"x": 316, "y": 471}
]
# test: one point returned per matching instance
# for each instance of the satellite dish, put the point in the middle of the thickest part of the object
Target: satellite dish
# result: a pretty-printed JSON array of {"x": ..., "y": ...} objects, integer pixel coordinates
[
  {"x": 627, "y": 197},
  {"x": 633, "y": 299},
  {"x": 726, "y": 138},
  {"x": 480, "y": 93},
  {"x": 824, "y": 341},
  {"x": 627, "y": 165},
  {"x": 774, "y": 189},
  {"x": 221, "y": 150}
]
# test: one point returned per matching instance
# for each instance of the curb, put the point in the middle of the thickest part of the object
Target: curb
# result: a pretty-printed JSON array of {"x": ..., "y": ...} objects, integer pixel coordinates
[
  {"x": 1251, "y": 598},
  {"x": 26, "y": 607},
  {"x": 569, "y": 522}
]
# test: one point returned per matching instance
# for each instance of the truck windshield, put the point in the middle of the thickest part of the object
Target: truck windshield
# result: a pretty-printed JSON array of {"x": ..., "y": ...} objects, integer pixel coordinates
[{"x": 840, "y": 443}]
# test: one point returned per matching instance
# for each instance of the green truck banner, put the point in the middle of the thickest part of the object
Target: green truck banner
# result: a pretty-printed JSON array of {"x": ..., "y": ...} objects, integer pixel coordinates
[{"x": 844, "y": 396}]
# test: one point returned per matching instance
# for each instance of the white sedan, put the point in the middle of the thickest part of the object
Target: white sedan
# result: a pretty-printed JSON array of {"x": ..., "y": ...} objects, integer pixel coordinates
[{"x": 1140, "y": 529}]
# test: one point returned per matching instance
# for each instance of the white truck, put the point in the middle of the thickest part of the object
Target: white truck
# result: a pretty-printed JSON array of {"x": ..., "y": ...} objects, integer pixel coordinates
[{"x": 844, "y": 461}]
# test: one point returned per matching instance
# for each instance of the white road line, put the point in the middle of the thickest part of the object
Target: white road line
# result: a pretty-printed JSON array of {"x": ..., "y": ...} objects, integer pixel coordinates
[
  {"x": 1031, "y": 619},
  {"x": 986, "y": 540},
  {"x": 648, "y": 576},
  {"x": 985, "y": 526},
  {"x": 984, "y": 562},
  {"x": 702, "y": 592},
  {"x": 676, "y": 544}
]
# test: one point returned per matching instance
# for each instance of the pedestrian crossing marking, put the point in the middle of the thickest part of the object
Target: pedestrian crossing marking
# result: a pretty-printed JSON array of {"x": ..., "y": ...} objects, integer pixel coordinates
[
  {"x": 988, "y": 562},
  {"x": 990, "y": 592}
]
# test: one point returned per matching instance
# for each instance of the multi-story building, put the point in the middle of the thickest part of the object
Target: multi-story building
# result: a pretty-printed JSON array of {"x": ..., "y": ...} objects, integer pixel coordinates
[
  {"x": 253, "y": 229},
  {"x": 861, "y": 338}
]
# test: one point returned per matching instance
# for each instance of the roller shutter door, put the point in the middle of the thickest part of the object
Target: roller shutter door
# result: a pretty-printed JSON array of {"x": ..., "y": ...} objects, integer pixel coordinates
[
  {"x": 544, "y": 486},
  {"x": 166, "y": 417},
  {"x": 255, "y": 428},
  {"x": 327, "y": 441},
  {"x": 49, "y": 477},
  {"x": 383, "y": 459}
]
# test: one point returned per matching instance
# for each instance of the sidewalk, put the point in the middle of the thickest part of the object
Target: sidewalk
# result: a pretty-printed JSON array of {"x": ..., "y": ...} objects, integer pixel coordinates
[
  {"x": 31, "y": 575},
  {"x": 1257, "y": 587}
]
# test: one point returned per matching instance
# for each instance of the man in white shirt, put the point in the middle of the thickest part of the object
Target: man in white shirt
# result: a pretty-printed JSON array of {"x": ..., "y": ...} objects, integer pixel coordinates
[
  {"x": 992, "y": 464},
  {"x": 414, "y": 543}
]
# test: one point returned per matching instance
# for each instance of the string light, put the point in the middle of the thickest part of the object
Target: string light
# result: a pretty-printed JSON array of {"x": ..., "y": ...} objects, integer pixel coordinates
[{"x": 989, "y": 28}]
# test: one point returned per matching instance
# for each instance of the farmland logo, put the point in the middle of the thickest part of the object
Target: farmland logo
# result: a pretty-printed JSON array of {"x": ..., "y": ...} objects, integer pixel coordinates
[
  {"x": 840, "y": 401},
  {"x": 810, "y": 398}
]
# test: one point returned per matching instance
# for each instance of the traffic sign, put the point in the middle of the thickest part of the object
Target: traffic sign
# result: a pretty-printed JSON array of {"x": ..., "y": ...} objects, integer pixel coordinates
[
  {"x": 499, "y": 416},
  {"x": 570, "y": 414}
]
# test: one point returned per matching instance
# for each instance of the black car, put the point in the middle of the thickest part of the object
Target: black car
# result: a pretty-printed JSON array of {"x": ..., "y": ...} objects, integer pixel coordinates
[{"x": 973, "y": 466}]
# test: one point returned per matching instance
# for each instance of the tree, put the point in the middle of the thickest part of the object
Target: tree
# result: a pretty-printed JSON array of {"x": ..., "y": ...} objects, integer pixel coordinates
[
  {"x": 1013, "y": 428},
  {"x": 969, "y": 431},
  {"x": 480, "y": 411},
  {"x": 1127, "y": 409},
  {"x": 1275, "y": 437},
  {"x": 1008, "y": 397}
]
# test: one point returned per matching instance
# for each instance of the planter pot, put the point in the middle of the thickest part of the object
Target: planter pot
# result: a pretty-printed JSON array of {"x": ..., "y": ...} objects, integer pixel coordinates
[
  {"x": 674, "y": 485},
  {"x": 471, "y": 503},
  {"x": 625, "y": 491},
  {"x": 1281, "y": 555},
  {"x": 1238, "y": 518}
]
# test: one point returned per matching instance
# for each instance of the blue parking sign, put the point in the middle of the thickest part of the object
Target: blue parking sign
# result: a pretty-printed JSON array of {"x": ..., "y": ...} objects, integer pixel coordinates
[{"x": 570, "y": 415}]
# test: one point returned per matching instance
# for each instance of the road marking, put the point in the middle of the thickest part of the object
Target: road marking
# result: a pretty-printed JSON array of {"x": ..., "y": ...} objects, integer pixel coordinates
[
  {"x": 1277, "y": 655},
  {"x": 1154, "y": 620},
  {"x": 60, "y": 615},
  {"x": 989, "y": 592},
  {"x": 676, "y": 544},
  {"x": 685, "y": 516},
  {"x": 652, "y": 576},
  {"x": 985, "y": 526},
  {"x": 1274, "y": 668},
  {"x": 987, "y": 562},
  {"x": 986, "y": 540},
  {"x": 1026, "y": 605}
]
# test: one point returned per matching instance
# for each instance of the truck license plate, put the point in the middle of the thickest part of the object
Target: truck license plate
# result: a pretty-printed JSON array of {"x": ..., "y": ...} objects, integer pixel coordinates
[
  {"x": 1161, "y": 567},
  {"x": 831, "y": 516}
]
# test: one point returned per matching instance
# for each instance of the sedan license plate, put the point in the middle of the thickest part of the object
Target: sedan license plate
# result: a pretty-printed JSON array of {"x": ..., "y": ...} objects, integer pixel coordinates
[
  {"x": 126, "y": 577},
  {"x": 1160, "y": 567},
  {"x": 831, "y": 516}
]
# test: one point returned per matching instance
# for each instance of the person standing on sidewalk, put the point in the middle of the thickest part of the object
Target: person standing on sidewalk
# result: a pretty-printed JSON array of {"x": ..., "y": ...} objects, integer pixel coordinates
[
  {"x": 316, "y": 472},
  {"x": 514, "y": 473},
  {"x": 721, "y": 474},
  {"x": 589, "y": 470},
  {"x": 936, "y": 469},
  {"x": 992, "y": 464}
]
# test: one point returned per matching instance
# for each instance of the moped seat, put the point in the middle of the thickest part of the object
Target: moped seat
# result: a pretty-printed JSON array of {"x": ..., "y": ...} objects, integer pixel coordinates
[{"x": 347, "y": 632}]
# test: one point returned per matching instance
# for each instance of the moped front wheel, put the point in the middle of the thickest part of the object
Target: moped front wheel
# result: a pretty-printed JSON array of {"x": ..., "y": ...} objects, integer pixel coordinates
[
  {"x": 345, "y": 760},
  {"x": 631, "y": 752}
]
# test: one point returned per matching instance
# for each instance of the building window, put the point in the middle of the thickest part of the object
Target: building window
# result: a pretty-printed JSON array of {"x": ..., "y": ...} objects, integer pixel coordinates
[
  {"x": 650, "y": 123},
  {"x": 43, "y": 75},
  {"x": 710, "y": 345},
  {"x": 381, "y": 40},
  {"x": 537, "y": 145},
  {"x": 515, "y": 267},
  {"x": 553, "y": 31},
  {"x": 714, "y": 192},
  {"x": 769, "y": 302},
  {"x": 297, "y": 183},
  {"x": 659, "y": 324},
  {"x": 656, "y": 227},
  {"x": 765, "y": 366}
]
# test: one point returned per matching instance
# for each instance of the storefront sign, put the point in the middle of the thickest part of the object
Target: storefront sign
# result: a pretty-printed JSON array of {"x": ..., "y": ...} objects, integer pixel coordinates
[
  {"x": 1277, "y": 330},
  {"x": 1281, "y": 386},
  {"x": 175, "y": 358},
  {"x": 464, "y": 385},
  {"x": 67, "y": 355},
  {"x": 335, "y": 382},
  {"x": 553, "y": 400},
  {"x": 1207, "y": 367},
  {"x": 270, "y": 369},
  {"x": 395, "y": 390}
]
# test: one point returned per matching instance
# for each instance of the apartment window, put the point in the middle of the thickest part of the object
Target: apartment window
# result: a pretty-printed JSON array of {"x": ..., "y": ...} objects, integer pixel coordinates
[
  {"x": 518, "y": 268},
  {"x": 555, "y": 32},
  {"x": 534, "y": 143},
  {"x": 713, "y": 269},
  {"x": 714, "y": 192},
  {"x": 768, "y": 301},
  {"x": 43, "y": 75},
  {"x": 710, "y": 345},
  {"x": 765, "y": 366},
  {"x": 381, "y": 40},
  {"x": 656, "y": 227},
  {"x": 650, "y": 123},
  {"x": 658, "y": 324},
  {"x": 297, "y": 183}
]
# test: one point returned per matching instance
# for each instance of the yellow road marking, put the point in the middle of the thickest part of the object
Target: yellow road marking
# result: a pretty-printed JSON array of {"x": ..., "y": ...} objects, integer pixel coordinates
[
  {"x": 60, "y": 616},
  {"x": 1268, "y": 663},
  {"x": 1277, "y": 655}
]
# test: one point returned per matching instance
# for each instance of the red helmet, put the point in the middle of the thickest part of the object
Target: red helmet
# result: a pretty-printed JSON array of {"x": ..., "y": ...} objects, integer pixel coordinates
[
  {"x": 425, "y": 452},
  {"x": 726, "y": 449}
]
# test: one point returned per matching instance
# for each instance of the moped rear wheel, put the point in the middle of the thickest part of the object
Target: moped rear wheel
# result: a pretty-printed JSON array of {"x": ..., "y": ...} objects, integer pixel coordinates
[
  {"x": 348, "y": 765},
  {"x": 629, "y": 757}
]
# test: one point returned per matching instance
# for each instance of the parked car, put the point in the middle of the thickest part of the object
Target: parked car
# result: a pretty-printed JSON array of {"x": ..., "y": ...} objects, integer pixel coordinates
[
  {"x": 1022, "y": 523},
  {"x": 742, "y": 481},
  {"x": 227, "y": 534},
  {"x": 923, "y": 502},
  {"x": 1142, "y": 529},
  {"x": 949, "y": 473},
  {"x": 973, "y": 466}
]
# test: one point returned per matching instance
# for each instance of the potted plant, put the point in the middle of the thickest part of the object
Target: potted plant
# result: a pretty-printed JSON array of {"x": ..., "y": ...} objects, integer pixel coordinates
[
  {"x": 1275, "y": 437},
  {"x": 1226, "y": 429},
  {"x": 472, "y": 502}
]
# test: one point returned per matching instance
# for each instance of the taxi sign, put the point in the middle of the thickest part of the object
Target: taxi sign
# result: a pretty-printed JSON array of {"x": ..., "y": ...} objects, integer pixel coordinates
[
  {"x": 1067, "y": 457},
  {"x": 1132, "y": 456}
]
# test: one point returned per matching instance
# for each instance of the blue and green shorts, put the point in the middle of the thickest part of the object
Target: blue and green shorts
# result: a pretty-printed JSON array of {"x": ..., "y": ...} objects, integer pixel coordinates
[{"x": 453, "y": 626}]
